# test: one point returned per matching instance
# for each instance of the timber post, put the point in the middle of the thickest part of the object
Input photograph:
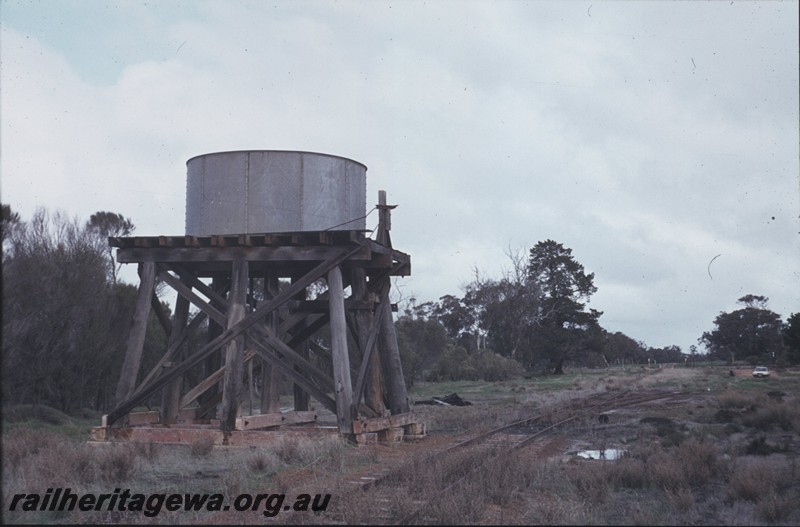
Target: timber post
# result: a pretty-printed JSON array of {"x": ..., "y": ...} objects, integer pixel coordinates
[
  {"x": 135, "y": 346},
  {"x": 270, "y": 377},
  {"x": 301, "y": 400},
  {"x": 234, "y": 351},
  {"x": 172, "y": 394},
  {"x": 372, "y": 386},
  {"x": 343, "y": 385}
]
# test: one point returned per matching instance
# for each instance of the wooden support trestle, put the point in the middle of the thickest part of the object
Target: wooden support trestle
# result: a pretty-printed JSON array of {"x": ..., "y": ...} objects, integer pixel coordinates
[{"x": 261, "y": 321}]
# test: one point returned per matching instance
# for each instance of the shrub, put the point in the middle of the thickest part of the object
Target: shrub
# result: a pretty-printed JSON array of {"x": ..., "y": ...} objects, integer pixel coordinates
[
  {"x": 288, "y": 451},
  {"x": 22, "y": 443},
  {"x": 116, "y": 462},
  {"x": 681, "y": 499},
  {"x": 150, "y": 451},
  {"x": 760, "y": 447},
  {"x": 771, "y": 414},
  {"x": 260, "y": 462},
  {"x": 752, "y": 478},
  {"x": 628, "y": 472},
  {"x": 775, "y": 507},
  {"x": 458, "y": 365},
  {"x": 699, "y": 461},
  {"x": 666, "y": 471},
  {"x": 730, "y": 399},
  {"x": 29, "y": 412},
  {"x": 591, "y": 483}
]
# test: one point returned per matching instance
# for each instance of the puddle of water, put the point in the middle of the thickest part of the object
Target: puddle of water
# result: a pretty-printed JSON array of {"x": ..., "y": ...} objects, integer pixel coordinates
[{"x": 609, "y": 453}]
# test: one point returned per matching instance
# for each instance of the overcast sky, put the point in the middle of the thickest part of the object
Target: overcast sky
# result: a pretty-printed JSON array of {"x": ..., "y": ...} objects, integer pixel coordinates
[{"x": 647, "y": 137}]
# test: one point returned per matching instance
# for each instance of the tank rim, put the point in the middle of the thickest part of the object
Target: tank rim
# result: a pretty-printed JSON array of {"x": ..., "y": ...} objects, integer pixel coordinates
[{"x": 276, "y": 152}]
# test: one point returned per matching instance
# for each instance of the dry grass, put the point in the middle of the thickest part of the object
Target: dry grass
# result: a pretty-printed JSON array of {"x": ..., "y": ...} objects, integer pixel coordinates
[
  {"x": 202, "y": 446},
  {"x": 672, "y": 473},
  {"x": 751, "y": 478}
]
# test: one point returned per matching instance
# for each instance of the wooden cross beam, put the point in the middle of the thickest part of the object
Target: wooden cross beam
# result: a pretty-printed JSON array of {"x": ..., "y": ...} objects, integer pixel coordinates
[
  {"x": 267, "y": 354},
  {"x": 229, "y": 334},
  {"x": 186, "y": 292}
]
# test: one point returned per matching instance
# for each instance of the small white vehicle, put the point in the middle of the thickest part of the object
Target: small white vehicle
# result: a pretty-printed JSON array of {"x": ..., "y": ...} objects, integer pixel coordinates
[{"x": 761, "y": 371}]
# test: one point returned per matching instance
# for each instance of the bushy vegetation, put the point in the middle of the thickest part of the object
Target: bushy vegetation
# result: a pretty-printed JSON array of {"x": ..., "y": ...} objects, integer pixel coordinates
[
  {"x": 64, "y": 312},
  {"x": 753, "y": 333},
  {"x": 457, "y": 364}
]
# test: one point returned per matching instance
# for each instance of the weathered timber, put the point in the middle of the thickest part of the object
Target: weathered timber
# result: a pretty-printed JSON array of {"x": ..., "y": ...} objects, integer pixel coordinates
[
  {"x": 186, "y": 276},
  {"x": 143, "y": 418},
  {"x": 254, "y": 422},
  {"x": 368, "y": 379},
  {"x": 173, "y": 349},
  {"x": 383, "y": 423},
  {"x": 270, "y": 378},
  {"x": 321, "y": 306},
  {"x": 221, "y": 283},
  {"x": 326, "y": 237},
  {"x": 291, "y": 254},
  {"x": 369, "y": 373},
  {"x": 234, "y": 353},
  {"x": 229, "y": 334},
  {"x": 306, "y": 330},
  {"x": 172, "y": 392},
  {"x": 161, "y": 314},
  {"x": 135, "y": 345},
  {"x": 207, "y": 383},
  {"x": 291, "y": 356},
  {"x": 301, "y": 397},
  {"x": 390, "y": 359},
  {"x": 268, "y": 354},
  {"x": 341, "y": 361},
  {"x": 187, "y": 293}
]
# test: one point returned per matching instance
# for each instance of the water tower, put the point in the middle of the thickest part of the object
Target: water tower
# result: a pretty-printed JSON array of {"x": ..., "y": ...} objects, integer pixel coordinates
[{"x": 274, "y": 241}]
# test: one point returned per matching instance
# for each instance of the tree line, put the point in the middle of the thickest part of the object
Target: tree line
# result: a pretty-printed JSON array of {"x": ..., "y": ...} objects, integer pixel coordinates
[
  {"x": 66, "y": 316},
  {"x": 535, "y": 318}
]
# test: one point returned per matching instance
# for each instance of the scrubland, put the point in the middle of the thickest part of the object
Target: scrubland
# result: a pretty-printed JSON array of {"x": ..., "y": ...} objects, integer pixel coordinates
[{"x": 730, "y": 454}]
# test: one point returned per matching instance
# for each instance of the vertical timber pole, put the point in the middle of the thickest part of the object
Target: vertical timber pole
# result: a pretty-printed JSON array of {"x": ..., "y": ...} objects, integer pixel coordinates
[
  {"x": 270, "y": 379},
  {"x": 343, "y": 385},
  {"x": 390, "y": 359},
  {"x": 172, "y": 392},
  {"x": 133, "y": 352},
  {"x": 373, "y": 389},
  {"x": 208, "y": 406},
  {"x": 389, "y": 350},
  {"x": 301, "y": 397},
  {"x": 234, "y": 351}
]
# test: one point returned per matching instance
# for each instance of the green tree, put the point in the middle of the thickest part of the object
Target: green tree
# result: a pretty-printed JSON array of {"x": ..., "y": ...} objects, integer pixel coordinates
[
  {"x": 459, "y": 320},
  {"x": 666, "y": 354},
  {"x": 10, "y": 221},
  {"x": 64, "y": 322},
  {"x": 563, "y": 329},
  {"x": 752, "y": 333},
  {"x": 422, "y": 341},
  {"x": 622, "y": 349},
  {"x": 791, "y": 338},
  {"x": 106, "y": 225},
  {"x": 507, "y": 314}
]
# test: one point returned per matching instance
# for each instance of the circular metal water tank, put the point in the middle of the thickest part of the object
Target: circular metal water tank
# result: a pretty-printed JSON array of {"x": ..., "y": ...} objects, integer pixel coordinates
[{"x": 260, "y": 191}]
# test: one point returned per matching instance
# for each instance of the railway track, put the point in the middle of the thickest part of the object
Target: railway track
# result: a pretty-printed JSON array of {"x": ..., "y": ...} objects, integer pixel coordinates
[{"x": 461, "y": 460}]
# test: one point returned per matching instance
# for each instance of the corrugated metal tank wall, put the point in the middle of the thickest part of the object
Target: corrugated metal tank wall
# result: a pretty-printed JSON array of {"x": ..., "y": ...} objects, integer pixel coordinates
[{"x": 273, "y": 191}]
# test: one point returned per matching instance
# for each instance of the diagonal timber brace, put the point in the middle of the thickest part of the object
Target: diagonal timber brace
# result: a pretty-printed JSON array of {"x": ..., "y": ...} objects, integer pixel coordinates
[{"x": 228, "y": 335}]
